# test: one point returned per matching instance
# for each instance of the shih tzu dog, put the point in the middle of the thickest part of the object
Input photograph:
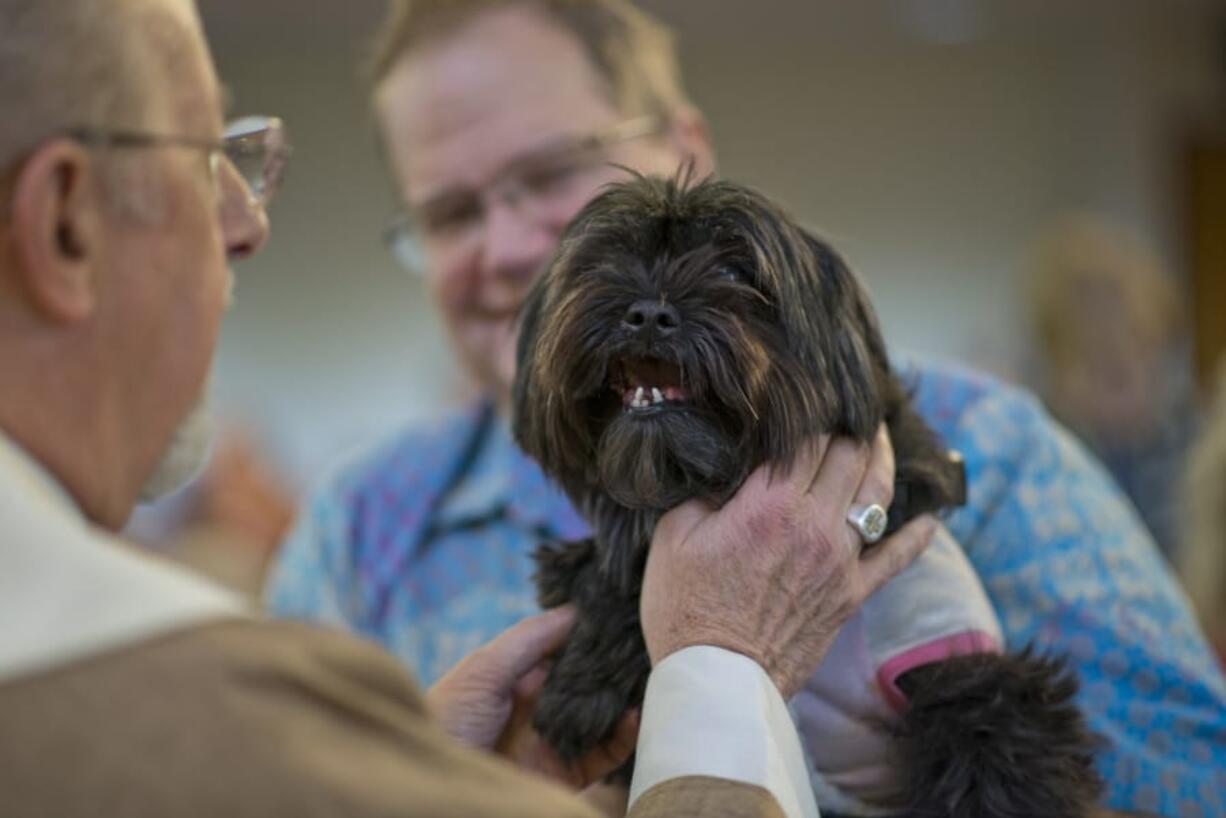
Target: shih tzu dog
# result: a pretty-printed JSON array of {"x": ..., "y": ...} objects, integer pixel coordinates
[{"x": 683, "y": 335}]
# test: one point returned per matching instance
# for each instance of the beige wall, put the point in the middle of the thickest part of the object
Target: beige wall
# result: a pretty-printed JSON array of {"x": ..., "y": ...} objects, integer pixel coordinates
[{"x": 932, "y": 166}]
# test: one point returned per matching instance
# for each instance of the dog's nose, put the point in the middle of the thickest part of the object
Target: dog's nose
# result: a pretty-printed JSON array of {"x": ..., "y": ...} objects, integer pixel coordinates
[{"x": 648, "y": 318}]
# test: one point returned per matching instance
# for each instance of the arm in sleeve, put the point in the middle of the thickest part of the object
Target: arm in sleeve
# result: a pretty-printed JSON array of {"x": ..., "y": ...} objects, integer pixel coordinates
[{"x": 716, "y": 731}]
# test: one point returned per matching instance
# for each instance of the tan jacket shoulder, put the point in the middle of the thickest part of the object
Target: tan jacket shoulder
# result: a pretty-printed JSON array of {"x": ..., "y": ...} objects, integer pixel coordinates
[
  {"x": 245, "y": 719},
  {"x": 265, "y": 719}
]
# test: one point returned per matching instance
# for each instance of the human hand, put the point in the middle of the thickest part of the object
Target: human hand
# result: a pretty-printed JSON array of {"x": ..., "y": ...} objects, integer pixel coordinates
[
  {"x": 487, "y": 702},
  {"x": 777, "y": 571}
]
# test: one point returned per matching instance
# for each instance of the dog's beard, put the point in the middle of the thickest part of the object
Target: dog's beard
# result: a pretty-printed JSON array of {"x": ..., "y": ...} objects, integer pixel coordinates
[
  {"x": 185, "y": 456},
  {"x": 662, "y": 459}
]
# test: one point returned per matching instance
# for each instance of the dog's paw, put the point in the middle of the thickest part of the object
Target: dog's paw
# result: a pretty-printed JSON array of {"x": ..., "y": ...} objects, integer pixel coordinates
[
  {"x": 990, "y": 736},
  {"x": 574, "y": 724}
]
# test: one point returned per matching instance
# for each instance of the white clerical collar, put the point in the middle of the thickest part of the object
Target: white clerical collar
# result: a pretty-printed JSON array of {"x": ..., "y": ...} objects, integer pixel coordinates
[
  {"x": 21, "y": 473},
  {"x": 69, "y": 590}
]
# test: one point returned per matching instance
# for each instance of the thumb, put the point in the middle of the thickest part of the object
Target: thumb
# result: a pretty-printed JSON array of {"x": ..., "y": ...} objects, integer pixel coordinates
[
  {"x": 524, "y": 645},
  {"x": 675, "y": 526}
]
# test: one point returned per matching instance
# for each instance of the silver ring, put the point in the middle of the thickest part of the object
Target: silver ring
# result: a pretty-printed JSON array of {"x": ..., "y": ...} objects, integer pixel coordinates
[{"x": 869, "y": 521}]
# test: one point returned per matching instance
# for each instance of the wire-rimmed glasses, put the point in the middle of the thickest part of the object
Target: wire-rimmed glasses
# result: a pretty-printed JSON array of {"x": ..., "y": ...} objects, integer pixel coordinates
[
  {"x": 256, "y": 146},
  {"x": 543, "y": 181}
]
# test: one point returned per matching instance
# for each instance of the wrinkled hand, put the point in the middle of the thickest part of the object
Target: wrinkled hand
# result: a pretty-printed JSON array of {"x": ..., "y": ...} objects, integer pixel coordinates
[
  {"x": 487, "y": 702},
  {"x": 777, "y": 571}
]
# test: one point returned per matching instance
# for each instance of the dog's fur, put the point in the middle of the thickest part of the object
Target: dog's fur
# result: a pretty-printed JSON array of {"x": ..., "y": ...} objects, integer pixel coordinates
[{"x": 765, "y": 338}]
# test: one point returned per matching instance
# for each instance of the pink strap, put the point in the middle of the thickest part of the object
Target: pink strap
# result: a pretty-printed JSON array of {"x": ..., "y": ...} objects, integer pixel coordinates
[{"x": 958, "y": 644}]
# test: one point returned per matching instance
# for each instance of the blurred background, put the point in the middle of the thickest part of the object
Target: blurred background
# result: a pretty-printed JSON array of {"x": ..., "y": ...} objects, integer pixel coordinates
[{"x": 1034, "y": 187}]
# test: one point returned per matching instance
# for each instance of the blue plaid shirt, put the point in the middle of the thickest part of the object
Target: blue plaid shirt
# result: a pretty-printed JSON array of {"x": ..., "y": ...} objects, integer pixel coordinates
[{"x": 424, "y": 546}]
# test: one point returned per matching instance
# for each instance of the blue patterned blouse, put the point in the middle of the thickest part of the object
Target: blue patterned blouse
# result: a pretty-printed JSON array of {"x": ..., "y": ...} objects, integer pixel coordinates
[{"x": 423, "y": 546}]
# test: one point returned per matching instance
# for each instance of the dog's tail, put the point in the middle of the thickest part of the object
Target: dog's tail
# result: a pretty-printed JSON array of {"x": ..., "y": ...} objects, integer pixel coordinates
[{"x": 991, "y": 736}]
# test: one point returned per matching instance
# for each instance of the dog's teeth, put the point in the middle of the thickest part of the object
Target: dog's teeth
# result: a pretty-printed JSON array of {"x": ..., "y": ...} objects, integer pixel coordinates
[
  {"x": 656, "y": 397},
  {"x": 639, "y": 400}
]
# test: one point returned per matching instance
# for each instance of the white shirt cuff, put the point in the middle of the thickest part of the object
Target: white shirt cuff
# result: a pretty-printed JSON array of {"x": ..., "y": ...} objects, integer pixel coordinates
[{"x": 713, "y": 712}]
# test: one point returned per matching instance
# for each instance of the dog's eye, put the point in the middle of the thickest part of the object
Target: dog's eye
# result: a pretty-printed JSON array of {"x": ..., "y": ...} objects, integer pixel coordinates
[{"x": 731, "y": 273}]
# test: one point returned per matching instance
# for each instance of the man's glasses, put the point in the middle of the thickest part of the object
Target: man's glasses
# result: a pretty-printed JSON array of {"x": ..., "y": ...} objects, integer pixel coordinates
[
  {"x": 550, "y": 180},
  {"x": 256, "y": 146}
]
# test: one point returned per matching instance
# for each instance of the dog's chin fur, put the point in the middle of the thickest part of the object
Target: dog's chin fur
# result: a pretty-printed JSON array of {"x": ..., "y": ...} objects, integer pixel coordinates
[
  {"x": 656, "y": 462},
  {"x": 772, "y": 341}
]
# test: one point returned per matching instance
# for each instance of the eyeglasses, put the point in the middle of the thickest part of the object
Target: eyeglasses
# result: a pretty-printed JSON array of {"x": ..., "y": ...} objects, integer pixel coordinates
[
  {"x": 256, "y": 146},
  {"x": 547, "y": 181}
]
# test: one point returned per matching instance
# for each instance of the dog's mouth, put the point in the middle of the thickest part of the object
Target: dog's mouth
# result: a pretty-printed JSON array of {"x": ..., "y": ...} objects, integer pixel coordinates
[{"x": 647, "y": 383}]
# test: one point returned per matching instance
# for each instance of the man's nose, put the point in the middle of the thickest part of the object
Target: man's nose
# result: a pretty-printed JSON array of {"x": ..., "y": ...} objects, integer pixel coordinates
[
  {"x": 244, "y": 222},
  {"x": 513, "y": 246},
  {"x": 652, "y": 319}
]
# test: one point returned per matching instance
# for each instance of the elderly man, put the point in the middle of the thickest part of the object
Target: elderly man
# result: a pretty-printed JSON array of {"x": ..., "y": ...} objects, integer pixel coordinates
[
  {"x": 501, "y": 119},
  {"x": 128, "y": 688}
]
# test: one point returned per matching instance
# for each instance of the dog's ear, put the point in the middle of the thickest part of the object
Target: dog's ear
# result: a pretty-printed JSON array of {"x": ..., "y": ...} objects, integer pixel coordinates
[
  {"x": 927, "y": 478},
  {"x": 525, "y": 424},
  {"x": 853, "y": 356}
]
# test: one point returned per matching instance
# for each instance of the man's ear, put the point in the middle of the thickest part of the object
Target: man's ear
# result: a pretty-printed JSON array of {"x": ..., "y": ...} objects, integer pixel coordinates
[{"x": 58, "y": 230}]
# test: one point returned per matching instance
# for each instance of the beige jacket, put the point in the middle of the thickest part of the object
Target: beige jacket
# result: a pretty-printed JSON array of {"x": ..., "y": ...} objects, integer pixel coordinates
[{"x": 247, "y": 718}]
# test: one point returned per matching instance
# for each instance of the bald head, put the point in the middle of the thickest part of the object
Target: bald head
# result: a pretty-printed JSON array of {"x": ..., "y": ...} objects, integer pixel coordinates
[{"x": 85, "y": 63}]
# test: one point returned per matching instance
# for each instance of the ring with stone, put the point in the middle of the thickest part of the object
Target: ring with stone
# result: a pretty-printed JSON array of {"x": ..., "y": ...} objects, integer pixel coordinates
[{"x": 869, "y": 521}]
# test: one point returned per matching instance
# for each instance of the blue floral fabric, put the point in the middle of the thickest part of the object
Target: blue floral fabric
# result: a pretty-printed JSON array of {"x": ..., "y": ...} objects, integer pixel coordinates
[{"x": 425, "y": 547}]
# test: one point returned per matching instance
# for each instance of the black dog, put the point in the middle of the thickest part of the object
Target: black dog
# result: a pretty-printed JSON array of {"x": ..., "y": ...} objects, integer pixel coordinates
[{"x": 683, "y": 335}]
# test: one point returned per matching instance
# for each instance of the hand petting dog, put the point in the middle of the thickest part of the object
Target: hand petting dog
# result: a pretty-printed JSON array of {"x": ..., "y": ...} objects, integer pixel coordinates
[
  {"x": 807, "y": 561},
  {"x": 487, "y": 702}
]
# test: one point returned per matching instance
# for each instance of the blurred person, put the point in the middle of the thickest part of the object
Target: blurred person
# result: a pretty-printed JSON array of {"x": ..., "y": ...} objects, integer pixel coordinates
[
  {"x": 129, "y": 687},
  {"x": 225, "y": 524},
  {"x": 1112, "y": 360},
  {"x": 500, "y": 119},
  {"x": 1202, "y": 559}
]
